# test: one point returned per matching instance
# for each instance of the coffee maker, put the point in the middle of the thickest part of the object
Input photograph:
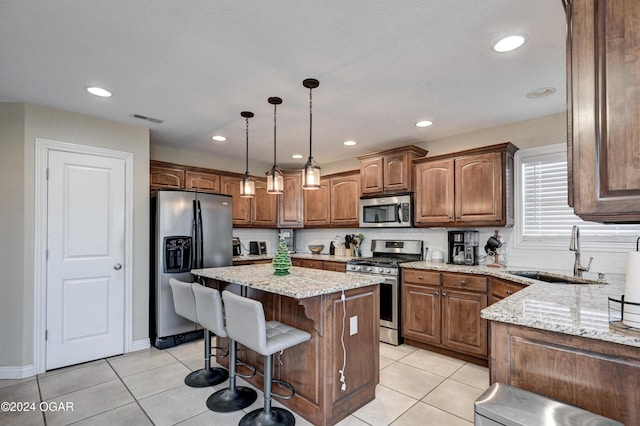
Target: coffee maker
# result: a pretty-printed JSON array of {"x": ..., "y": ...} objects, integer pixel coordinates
[{"x": 463, "y": 247}]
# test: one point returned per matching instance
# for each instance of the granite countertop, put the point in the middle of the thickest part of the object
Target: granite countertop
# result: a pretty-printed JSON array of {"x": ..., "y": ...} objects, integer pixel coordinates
[
  {"x": 300, "y": 284},
  {"x": 296, "y": 256},
  {"x": 574, "y": 309}
]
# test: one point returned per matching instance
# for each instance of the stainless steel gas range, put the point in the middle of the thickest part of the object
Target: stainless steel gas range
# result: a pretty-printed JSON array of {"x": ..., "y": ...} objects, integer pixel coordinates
[{"x": 385, "y": 261}]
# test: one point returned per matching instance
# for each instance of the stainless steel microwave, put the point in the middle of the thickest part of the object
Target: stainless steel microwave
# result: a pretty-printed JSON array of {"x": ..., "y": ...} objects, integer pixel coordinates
[{"x": 393, "y": 211}]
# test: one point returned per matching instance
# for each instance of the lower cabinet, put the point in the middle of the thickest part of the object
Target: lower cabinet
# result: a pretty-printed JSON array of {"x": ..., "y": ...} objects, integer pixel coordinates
[
  {"x": 503, "y": 288},
  {"x": 443, "y": 310},
  {"x": 327, "y": 265}
]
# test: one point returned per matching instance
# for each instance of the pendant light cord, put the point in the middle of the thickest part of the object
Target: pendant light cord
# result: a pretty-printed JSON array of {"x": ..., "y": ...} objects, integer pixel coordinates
[
  {"x": 275, "y": 107},
  {"x": 246, "y": 159},
  {"x": 310, "y": 123}
]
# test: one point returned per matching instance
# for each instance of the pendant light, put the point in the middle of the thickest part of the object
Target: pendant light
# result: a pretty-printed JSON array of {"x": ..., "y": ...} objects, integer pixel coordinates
[
  {"x": 247, "y": 184},
  {"x": 275, "y": 180},
  {"x": 311, "y": 171}
]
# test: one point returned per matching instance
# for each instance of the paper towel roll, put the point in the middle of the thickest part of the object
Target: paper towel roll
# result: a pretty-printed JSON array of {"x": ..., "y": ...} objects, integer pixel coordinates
[{"x": 632, "y": 290}]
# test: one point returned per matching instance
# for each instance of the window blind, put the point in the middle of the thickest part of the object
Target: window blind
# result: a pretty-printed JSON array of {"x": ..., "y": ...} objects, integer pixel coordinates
[{"x": 545, "y": 209}]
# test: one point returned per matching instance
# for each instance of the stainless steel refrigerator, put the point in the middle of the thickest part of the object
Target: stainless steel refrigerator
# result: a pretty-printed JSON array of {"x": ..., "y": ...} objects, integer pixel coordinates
[{"x": 189, "y": 230}]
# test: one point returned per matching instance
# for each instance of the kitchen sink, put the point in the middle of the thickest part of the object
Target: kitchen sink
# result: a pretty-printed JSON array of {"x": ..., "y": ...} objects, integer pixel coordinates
[{"x": 553, "y": 278}]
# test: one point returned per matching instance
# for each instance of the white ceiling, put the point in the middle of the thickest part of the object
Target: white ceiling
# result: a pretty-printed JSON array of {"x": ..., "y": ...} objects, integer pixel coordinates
[{"x": 382, "y": 66}]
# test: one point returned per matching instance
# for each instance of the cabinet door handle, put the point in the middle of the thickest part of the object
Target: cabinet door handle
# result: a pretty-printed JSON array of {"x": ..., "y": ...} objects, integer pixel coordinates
[
  {"x": 420, "y": 277},
  {"x": 463, "y": 282},
  {"x": 509, "y": 292},
  {"x": 459, "y": 216},
  {"x": 435, "y": 293},
  {"x": 444, "y": 294}
]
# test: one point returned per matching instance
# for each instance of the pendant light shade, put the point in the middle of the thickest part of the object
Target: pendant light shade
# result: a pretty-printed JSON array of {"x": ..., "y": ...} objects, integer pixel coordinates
[
  {"x": 247, "y": 184},
  {"x": 275, "y": 181},
  {"x": 311, "y": 171}
]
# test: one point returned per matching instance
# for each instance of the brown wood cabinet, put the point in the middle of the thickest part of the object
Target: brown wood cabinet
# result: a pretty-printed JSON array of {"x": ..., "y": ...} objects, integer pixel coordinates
[
  {"x": 166, "y": 177},
  {"x": 264, "y": 207},
  {"x": 503, "y": 288},
  {"x": 310, "y": 263},
  {"x": 335, "y": 204},
  {"x": 329, "y": 265},
  {"x": 317, "y": 205},
  {"x": 469, "y": 188},
  {"x": 442, "y": 310},
  {"x": 602, "y": 377},
  {"x": 291, "y": 203},
  {"x": 388, "y": 171},
  {"x": 205, "y": 182},
  {"x": 603, "y": 100},
  {"x": 345, "y": 200},
  {"x": 241, "y": 208}
]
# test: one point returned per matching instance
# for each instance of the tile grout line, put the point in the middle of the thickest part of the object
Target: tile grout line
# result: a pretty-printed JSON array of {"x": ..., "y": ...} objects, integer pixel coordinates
[{"x": 130, "y": 393}]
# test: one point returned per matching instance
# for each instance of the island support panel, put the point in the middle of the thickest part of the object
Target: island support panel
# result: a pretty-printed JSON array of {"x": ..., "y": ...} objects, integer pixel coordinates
[
  {"x": 601, "y": 377},
  {"x": 313, "y": 367}
]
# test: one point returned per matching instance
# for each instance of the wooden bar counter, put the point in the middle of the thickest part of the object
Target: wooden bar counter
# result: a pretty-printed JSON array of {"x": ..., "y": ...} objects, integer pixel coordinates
[{"x": 311, "y": 300}]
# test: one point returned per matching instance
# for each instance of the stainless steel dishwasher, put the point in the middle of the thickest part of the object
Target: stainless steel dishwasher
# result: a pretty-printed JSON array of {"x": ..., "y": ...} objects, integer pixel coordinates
[{"x": 504, "y": 405}]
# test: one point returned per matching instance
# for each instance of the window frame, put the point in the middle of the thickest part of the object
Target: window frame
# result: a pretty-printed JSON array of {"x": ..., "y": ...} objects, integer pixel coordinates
[{"x": 587, "y": 243}]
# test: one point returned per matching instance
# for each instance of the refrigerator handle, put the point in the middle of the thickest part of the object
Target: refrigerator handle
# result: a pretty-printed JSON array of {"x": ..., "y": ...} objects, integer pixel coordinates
[
  {"x": 200, "y": 238},
  {"x": 195, "y": 256}
]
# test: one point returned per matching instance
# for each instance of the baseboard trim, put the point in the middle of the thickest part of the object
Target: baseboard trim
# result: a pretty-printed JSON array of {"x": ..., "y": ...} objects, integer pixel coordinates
[
  {"x": 139, "y": 345},
  {"x": 16, "y": 373}
]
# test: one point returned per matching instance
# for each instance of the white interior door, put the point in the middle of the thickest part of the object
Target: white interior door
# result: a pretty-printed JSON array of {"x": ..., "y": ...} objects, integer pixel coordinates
[{"x": 85, "y": 271}]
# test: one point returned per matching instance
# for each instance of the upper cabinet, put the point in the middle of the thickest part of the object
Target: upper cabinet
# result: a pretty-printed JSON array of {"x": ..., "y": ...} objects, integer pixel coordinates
[
  {"x": 388, "y": 171},
  {"x": 335, "y": 204},
  {"x": 205, "y": 182},
  {"x": 259, "y": 211},
  {"x": 290, "y": 204},
  {"x": 603, "y": 102},
  {"x": 165, "y": 176},
  {"x": 469, "y": 188}
]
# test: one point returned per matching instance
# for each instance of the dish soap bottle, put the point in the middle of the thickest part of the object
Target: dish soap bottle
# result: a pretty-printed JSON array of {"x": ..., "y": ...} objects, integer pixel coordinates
[{"x": 332, "y": 249}]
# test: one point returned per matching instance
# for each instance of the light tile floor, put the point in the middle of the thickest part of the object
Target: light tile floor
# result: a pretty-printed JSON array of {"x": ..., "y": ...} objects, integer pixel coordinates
[{"x": 417, "y": 387}]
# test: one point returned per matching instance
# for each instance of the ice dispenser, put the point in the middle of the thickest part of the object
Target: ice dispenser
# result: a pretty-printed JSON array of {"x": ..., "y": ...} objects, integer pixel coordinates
[{"x": 177, "y": 254}]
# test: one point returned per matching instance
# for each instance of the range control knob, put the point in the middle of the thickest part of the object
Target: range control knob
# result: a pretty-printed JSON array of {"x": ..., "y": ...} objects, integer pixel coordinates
[
  {"x": 387, "y": 270},
  {"x": 369, "y": 269}
]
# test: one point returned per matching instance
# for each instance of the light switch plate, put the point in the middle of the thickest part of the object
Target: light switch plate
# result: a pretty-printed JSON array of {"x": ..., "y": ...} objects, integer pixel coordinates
[{"x": 353, "y": 325}]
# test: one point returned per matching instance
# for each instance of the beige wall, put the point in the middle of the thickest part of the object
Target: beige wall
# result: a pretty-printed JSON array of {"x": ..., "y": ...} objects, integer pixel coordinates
[
  {"x": 12, "y": 249},
  {"x": 547, "y": 130},
  {"x": 20, "y": 125}
]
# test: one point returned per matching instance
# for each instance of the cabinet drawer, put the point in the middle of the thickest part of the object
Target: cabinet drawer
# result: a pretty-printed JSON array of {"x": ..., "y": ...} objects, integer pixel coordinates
[
  {"x": 465, "y": 282},
  {"x": 420, "y": 276},
  {"x": 314, "y": 264},
  {"x": 334, "y": 266},
  {"x": 502, "y": 289}
]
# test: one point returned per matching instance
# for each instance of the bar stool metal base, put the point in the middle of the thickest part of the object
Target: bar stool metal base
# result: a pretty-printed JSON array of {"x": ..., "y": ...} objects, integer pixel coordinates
[
  {"x": 275, "y": 416},
  {"x": 227, "y": 400},
  {"x": 206, "y": 377}
]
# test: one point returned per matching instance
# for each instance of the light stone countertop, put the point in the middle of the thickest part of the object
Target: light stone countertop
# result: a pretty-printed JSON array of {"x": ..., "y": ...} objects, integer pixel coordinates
[
  {"x": 301, "y": 283},
  {"x": 296, "y": 256},
  {"x": 574, "y": 309}
]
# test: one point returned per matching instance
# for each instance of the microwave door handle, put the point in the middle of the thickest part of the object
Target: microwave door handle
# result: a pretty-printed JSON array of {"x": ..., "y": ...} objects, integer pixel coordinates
[{"x": 399, "y": 212}]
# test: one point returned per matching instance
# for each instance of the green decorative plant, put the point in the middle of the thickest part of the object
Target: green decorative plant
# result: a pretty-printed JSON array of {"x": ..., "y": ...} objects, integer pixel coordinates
[{"x": 281, "y": 261}]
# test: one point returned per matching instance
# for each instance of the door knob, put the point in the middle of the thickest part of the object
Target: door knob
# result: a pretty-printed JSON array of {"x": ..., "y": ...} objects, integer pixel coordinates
[{"x": 117, "y": 266}]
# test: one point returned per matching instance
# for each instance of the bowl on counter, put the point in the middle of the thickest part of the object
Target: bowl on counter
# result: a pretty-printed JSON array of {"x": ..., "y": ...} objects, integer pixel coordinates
[{"x": 316, "y": 248}]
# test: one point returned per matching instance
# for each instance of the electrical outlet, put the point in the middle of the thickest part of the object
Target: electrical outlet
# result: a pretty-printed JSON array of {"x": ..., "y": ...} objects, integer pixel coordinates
[{"x": 353, "y": 325}]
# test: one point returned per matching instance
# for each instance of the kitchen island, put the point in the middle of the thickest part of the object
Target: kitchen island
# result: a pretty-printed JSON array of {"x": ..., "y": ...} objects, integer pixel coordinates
[
  {"x": 556, "y": 340},
  {"x": 311, "y": 300}
]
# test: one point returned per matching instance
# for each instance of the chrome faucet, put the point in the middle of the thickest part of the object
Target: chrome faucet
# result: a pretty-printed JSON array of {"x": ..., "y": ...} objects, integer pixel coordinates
[{"x": 574, "y": 246}]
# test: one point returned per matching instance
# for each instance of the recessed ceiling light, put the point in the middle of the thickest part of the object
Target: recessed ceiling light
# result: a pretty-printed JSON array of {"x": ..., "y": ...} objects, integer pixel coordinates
[
  {"x": 296, "y": 156},
  {"x": 424, "y": 123},
  {"x": 98, "y": 91},
  {"x": 349, "y": 143},
  {"x": 218, "y": 138},
  {"x": 510, "y": 43},
  {"x": 541, "y": 92}
]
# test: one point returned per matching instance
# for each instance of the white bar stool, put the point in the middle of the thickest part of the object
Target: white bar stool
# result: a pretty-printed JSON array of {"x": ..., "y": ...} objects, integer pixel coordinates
[
  {"x": 211, "y": 316},
  {"x": 184, "y": 304},
  {"x": 246, "y": 324}
]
